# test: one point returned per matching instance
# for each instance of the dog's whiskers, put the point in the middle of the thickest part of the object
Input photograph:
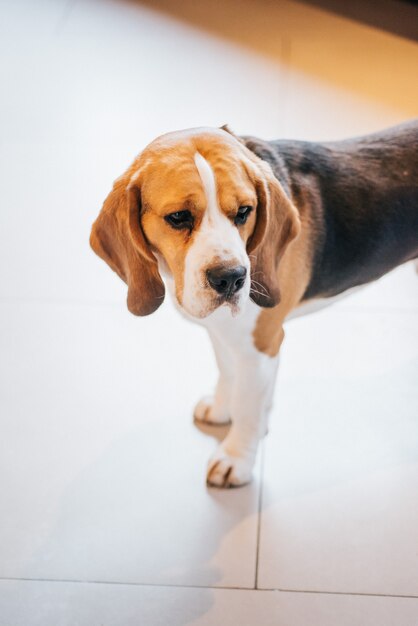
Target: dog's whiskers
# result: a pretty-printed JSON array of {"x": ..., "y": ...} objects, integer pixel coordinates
[
  {"x": 258, "y": 292},
  {"x": 254, "y": 282},
  {"x": 256, "y": 273}
]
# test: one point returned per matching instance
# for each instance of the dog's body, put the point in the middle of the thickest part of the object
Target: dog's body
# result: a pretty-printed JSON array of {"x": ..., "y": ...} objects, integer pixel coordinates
[
  {"x": 362, "y": 198},
  {"x": 248, "y": 233}
]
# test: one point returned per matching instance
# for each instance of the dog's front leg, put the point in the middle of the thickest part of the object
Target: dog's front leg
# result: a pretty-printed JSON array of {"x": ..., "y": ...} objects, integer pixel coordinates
[
  {"x": 251, "y": 395},
  {"x": 216, "y": 409}
]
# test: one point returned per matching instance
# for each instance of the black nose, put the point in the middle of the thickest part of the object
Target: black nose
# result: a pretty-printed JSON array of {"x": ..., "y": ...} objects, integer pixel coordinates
[{"x": 227, "y": 280}]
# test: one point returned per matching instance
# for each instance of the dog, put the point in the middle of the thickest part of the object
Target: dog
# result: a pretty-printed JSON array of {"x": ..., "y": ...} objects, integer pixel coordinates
[{"x": 246, "y": 233}]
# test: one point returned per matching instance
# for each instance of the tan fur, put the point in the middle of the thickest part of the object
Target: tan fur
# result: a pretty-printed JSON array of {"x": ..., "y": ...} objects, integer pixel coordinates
[
  {"x": 293, "y": 276},
  {"x": 118, "y": 239},
  {"x": 164, "y": 179}
]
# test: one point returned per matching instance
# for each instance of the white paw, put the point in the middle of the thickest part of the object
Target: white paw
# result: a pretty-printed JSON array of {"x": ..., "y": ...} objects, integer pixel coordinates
[
  {"x": 225, "y": 470},
  {"x": 208, "y": 411}
]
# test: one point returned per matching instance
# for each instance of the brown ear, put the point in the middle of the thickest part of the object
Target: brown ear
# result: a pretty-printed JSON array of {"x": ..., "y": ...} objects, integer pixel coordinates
[
  {"x": 226, "y": 128},
  {"x": 277, "y": 224},
  {"x": 117, "y": 238}
]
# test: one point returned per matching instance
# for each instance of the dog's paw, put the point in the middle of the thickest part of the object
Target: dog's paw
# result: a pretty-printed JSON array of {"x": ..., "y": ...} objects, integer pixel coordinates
[
  {"x": 209, "y": 412},
  {"x": 225, "y": 470}
]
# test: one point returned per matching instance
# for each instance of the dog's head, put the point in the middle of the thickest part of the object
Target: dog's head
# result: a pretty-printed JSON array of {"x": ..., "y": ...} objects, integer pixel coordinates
[{"x": 200, "y": 209}]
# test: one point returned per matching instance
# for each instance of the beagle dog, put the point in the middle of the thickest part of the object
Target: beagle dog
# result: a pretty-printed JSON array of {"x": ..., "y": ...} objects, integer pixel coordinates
[{"x": 245, "y": 233}]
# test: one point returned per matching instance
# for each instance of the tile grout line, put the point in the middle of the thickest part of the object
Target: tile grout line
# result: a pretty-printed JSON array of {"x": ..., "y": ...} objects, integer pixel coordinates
[
  {"x": 260, "y": 505},
  {"x": 120, "y": 583},
  {"x": 221, "y": 587}
]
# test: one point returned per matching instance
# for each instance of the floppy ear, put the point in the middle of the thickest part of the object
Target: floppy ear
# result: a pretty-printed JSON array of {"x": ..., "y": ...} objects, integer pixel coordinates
[
  {"x": 117, "y": 238},
  {"x": 277, "y": 224}
]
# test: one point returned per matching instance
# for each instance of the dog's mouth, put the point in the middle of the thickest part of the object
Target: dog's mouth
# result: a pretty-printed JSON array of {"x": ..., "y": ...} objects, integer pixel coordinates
[
  {"x": 233, "y": 302},
  {"x": 207, "y": 299},
  {"x": 226, "y": 301}
]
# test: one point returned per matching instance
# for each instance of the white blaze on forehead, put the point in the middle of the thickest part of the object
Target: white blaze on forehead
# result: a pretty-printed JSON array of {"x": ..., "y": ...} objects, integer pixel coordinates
[
  {"x": 217, "y": 233},
  {"x": 216, "y": 240},
  {"x": 209, "y": 185}
]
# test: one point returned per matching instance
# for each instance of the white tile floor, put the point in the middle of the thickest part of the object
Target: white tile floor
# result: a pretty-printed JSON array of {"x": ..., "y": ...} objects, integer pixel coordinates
[{"x": 104, "y": 515}]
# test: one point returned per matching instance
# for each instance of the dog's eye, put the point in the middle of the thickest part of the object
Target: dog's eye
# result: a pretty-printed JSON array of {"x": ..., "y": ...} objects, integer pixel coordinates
[
  {"x": 180, "y": 219},
  {"x": 242, "y": 215}
]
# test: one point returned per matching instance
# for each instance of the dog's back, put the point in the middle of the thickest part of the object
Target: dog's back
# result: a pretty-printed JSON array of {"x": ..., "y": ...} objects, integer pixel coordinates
[{"x": 362, "y": 196}]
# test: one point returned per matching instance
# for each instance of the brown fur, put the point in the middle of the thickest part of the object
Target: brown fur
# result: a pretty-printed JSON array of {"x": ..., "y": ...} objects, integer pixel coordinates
[
  {"x": 117, "y": 237},
  {"x": 292, "y": 275},
  {"x": 163, "y": 179}
]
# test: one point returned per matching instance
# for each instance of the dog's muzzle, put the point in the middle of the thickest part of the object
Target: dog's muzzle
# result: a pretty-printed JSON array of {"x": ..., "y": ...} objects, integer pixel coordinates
[{"x": 226, "y": 281}]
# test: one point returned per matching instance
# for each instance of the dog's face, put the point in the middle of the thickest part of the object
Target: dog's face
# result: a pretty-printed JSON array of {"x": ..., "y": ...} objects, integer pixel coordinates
[
  {"x": 196, "y": 207},
  {"x": 198, "y": 212}
]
